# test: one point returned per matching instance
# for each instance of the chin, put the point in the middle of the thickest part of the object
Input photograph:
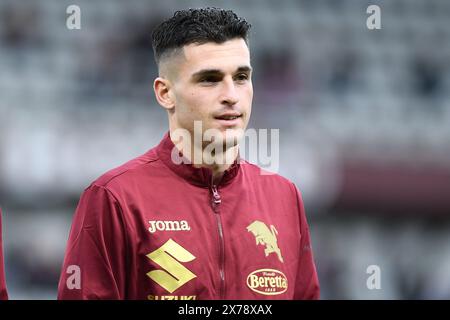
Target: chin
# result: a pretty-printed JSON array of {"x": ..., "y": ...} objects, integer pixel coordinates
[
  {"x": 232, "y": 137},
  {"x": 223, "y": 138}
]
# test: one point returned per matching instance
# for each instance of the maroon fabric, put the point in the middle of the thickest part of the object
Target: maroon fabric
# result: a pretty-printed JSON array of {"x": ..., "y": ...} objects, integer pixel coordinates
[
  {"x": 3, "y": 292},
  {"x": 151, "y": 229}
]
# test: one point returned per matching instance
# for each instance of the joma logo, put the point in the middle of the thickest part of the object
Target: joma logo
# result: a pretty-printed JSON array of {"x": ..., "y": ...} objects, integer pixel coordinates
[{"x": 168, "y": 226}]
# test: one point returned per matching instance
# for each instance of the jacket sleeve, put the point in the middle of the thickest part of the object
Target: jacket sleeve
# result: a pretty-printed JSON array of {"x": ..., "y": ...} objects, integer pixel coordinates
[
  {"x": 307, "y": 283},
  {"x": 95, "y": 261},
  {"x": 3, "y": 292}
]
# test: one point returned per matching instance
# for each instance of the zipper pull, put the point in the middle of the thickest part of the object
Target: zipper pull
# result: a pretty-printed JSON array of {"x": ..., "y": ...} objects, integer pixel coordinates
[{"x": 216, "y": 198}]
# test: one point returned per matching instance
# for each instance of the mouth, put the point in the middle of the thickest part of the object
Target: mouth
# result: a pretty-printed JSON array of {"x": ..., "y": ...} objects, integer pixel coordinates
[
  {"x": 229, "y": 120},
  {"x": 228, "y": 117}
]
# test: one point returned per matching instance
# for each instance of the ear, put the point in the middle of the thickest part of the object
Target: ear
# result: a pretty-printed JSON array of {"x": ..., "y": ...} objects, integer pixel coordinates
[{"x": 163, "y": 93}]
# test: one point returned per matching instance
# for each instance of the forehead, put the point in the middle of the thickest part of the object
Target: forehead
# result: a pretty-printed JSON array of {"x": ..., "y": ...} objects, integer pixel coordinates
[{"x": 228, "y": 55}]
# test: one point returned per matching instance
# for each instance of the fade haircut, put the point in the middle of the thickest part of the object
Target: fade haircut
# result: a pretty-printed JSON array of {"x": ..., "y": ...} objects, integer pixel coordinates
[{"x": 197, "y": 26}]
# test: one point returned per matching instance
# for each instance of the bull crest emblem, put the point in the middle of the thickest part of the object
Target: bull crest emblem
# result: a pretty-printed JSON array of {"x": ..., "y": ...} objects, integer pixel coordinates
[{"x": 266, "y": 236}]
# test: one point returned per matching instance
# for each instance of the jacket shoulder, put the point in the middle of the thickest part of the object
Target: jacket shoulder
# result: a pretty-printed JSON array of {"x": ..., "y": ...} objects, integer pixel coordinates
[
  {"x": 259, "y": 174},
  {"x": 122, "y": 172}
]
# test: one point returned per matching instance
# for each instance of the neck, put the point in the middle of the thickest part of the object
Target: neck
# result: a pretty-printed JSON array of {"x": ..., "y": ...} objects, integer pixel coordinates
[
  {"x": 218, "y": 163},
  {"x": 203, "y": 155}
]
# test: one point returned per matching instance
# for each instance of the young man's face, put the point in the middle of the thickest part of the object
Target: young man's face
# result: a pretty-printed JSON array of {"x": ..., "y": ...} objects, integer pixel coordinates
[{"x": 212, "y": 84}]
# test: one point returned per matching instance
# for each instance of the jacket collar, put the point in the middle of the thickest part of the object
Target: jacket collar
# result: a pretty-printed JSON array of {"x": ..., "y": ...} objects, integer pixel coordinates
[{"x": 197, "y": 176}]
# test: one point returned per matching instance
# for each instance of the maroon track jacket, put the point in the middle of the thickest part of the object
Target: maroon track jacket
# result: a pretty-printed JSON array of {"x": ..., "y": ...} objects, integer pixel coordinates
[
  {"x": 3, "y": 292},
  {"x": 153, "y": 229}
]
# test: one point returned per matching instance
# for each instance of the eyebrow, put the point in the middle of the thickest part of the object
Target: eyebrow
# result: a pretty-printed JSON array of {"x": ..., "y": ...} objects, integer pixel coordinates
[{"x": 209, "y": 72}]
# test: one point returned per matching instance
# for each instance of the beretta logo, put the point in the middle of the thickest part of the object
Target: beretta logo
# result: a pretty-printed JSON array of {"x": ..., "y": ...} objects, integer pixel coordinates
[{"x": 267, "y": 282}]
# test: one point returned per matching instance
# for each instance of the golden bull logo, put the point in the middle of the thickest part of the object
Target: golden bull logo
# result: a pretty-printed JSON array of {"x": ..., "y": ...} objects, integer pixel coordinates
[{"x": 266, "y": 236}]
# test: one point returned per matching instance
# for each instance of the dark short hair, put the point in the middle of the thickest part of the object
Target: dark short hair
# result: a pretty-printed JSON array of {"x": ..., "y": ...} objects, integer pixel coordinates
[{"x": 197, "y": 26}]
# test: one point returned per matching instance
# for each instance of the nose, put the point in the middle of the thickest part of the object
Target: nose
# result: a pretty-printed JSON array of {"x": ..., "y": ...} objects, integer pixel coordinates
[{"x": 229, "y": 94}]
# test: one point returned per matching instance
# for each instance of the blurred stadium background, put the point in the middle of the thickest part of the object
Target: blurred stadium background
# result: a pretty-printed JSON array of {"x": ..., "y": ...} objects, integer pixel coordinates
[{"x": 364, "y": 119}]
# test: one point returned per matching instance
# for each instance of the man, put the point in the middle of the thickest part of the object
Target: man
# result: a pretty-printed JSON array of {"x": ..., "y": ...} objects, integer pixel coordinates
[
  {"x": 3, "y": 292},
  {"x": 167, "y": 225}
]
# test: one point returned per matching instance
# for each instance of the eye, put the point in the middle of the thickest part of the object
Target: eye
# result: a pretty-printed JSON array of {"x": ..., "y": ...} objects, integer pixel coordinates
[
  {"x": 241, "y": 77},
  {"x": 208, "y": 79}
]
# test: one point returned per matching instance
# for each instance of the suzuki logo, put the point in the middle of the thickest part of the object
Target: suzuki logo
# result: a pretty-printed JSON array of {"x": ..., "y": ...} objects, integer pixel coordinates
[{"x": 168, "y": 257}]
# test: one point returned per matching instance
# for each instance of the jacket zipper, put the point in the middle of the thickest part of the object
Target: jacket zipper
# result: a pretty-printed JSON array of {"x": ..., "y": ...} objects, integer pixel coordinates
[{"x": 215, "y": 203}]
